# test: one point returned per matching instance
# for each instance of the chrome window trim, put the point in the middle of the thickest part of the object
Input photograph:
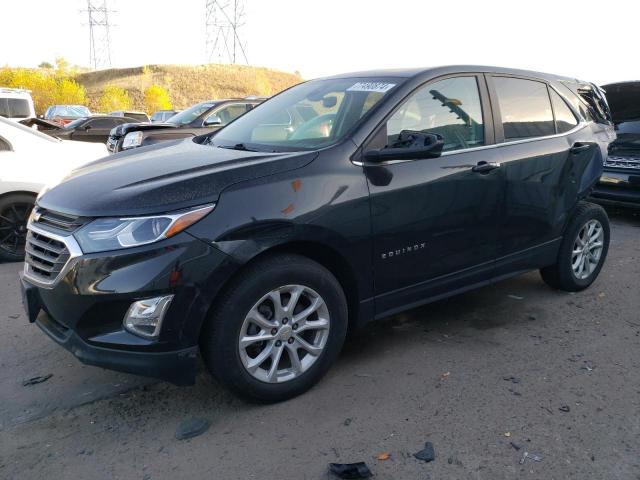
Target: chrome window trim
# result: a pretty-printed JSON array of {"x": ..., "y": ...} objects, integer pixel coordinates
[
  {"x": 578, "y": 127},
  {"x": 74, "y": 253}
]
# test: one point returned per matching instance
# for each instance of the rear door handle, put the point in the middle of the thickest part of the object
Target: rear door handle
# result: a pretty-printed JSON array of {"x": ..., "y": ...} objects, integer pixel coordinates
[
  {"x": 579, "y": 147},
  {"x": 485, "y": 167}
]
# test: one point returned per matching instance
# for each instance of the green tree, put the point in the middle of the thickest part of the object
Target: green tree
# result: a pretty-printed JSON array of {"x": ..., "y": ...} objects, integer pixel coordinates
[
  {"x": 45, "y": 65},
  {"x": 156, "y": 98},
  {"x": 114, "y": 98}
]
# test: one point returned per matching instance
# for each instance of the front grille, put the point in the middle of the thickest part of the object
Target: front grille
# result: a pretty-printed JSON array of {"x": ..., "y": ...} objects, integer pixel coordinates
[
  {"x": 59, "y": 221},
  {"x": 616, "y": 161},
  {"x": 45, "y": 257}
]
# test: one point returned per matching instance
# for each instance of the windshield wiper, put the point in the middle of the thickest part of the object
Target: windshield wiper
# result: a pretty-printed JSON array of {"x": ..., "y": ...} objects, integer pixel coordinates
[{"x": 237, "y": 146}]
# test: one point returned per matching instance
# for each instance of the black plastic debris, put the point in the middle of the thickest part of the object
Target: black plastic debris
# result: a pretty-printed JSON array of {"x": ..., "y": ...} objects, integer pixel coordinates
[
  {"x": 511, "y": 379},
  {"x": 350, "y": 470},
  {"x": 37, "y": 380},
  {"x": 564, "y": 408},
  {"x": 427, "y": 454},
  {"x": 192, "y": 427}
]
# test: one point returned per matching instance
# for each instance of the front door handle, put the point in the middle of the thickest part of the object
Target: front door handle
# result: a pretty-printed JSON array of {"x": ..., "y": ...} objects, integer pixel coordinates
[
  {"x": 579, "y": 147},
  {"x": 485, "y": 167}
]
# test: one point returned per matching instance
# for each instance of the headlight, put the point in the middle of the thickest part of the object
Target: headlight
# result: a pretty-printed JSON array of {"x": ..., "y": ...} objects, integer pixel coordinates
[
  {"x": 132, "y": 140},
  {"x": 106, "y": 234}
]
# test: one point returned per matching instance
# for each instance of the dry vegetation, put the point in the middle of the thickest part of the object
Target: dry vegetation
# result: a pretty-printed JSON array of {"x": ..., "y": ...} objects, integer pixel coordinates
[{"x": 186, "y": 85}]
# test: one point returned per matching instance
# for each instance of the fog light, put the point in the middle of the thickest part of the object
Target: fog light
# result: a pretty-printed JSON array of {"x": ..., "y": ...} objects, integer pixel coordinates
[{"x": 144, "y": 317}]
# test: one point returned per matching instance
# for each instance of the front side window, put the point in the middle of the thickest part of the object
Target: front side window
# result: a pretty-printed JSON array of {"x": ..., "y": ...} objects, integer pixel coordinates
[
  {"x": 309, "y": 116},
  {"x": 525, "y": 108},
  {"x": 4, "y": 145},
  {"x": 565, "y": 119},
  {"x": 451, "y": 108},
  {"x": 230, "y": 112}
]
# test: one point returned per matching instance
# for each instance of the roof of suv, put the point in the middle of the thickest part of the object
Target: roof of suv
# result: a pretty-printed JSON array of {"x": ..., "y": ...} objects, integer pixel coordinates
[{"x": 446, "y": 69}]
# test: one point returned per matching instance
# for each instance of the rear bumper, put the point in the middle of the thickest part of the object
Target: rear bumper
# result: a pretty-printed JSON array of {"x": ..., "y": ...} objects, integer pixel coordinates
[
  {"x": 177, "y": 366},
  {"x": 618, "y": 187}
]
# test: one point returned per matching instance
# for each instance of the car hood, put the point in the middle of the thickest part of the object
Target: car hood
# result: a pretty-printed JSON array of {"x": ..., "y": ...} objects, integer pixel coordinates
[
  {"x": 161, "y": 178},
  {"x": 125, "y": 128}
]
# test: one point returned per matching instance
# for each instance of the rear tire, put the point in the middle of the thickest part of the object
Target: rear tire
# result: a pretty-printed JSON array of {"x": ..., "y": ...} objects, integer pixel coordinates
[
  {"x": 260, "y": 303},
  {"x": 15, "y": 209},
  {"x": 583, "y": 250}
]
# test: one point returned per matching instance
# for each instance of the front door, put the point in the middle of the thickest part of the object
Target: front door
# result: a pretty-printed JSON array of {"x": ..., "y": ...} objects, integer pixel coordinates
[{"x": 434, "y": 220}]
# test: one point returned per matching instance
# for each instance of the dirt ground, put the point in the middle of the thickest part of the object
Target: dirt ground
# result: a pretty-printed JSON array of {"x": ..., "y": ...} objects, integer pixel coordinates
[{"x": 514, "y": 364}]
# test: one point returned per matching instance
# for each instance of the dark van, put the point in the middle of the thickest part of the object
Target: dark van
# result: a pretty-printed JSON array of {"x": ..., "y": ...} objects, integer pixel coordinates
[{"x": 262, "y": 245}]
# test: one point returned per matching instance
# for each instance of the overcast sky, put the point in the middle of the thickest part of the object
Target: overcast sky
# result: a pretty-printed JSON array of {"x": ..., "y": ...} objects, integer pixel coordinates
[{"x": 591, "y": 40}]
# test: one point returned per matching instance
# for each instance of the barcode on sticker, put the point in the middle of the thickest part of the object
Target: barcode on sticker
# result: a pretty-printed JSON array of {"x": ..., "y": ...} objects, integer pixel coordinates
[{"x": 380, "y": 87}]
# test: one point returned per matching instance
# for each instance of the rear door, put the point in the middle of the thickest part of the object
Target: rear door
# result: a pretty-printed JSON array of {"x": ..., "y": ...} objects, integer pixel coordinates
[
  {"x": 544, "y": 152},
  {"x": 434, "y": 220}
]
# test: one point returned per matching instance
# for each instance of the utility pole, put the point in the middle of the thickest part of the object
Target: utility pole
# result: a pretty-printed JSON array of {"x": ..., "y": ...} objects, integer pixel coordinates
[
  {"x": 223, "y": 21},
  {"x": 99, "y": 33}
]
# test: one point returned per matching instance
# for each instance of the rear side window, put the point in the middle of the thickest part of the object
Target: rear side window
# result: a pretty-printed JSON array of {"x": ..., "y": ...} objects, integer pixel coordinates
[
  {"x": 104, "y": 122},
  {"x": 14, "y": 108},
  {"x": 450, "y": 107},
  {"x": 565, "y": 119},
  {"x": 525, "y": 108}
]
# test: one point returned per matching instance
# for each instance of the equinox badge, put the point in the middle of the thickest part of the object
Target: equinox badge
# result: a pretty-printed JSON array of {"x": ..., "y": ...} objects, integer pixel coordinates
[{"x": 403, "y": 250}]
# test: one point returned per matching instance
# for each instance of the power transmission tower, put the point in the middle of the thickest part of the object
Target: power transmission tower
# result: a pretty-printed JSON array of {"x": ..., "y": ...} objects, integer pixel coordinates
[
  {"x": 99, "y": 35},
  {"x": 223, "y": 21}
]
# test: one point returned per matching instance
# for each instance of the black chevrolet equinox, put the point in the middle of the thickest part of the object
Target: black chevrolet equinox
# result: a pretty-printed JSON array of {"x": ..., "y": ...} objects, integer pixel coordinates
[{"x": 337, "y": 202}]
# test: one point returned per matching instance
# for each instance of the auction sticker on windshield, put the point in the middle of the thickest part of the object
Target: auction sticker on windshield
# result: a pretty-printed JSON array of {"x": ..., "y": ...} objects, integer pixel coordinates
[{"x": 381, "y": 87}]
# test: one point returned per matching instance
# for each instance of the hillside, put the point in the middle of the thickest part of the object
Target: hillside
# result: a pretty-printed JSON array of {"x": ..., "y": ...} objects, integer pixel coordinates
[{"x": 187, "y": 84}]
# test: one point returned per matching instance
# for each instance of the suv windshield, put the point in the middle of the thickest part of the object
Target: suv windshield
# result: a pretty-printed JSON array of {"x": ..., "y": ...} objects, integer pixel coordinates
[
  {"x": 69, "y": 111},
  {"x": 308, "y": 116},
  {"x": 190, "y": 114}
]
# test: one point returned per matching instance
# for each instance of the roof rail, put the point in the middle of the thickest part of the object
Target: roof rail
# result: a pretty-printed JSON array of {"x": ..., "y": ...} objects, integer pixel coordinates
[{"x": 14, "y": 90}]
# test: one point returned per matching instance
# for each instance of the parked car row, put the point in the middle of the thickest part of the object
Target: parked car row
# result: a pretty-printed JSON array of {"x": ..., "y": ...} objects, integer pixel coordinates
[
  {"x": 201, "y": 118},
  {"x": 259, "y": 242},
  {"x": 620, "y": 182},
  {"x": 30, "y": 161}
]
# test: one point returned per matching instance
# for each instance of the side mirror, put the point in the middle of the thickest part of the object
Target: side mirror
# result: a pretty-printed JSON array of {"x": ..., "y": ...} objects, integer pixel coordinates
[
  {"x": 87, "y": 128},
  {"x": 410, "y": 145},
  {"x": 212, "y": 120}
]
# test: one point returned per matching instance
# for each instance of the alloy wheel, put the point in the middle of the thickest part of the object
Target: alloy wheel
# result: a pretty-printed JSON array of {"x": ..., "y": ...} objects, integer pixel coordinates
[
  {"x": 13, "y": 227},
  {"x": 587, "y": 249},
  {"x": 284, "y": 333}
]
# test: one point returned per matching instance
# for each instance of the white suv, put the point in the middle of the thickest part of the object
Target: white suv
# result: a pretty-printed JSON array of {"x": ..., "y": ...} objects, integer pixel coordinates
[{"x": 16, "y": 104}]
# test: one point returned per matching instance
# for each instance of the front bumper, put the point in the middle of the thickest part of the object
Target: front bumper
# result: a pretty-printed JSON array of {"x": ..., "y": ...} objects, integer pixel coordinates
[
  {"x": 618, "y": 187},
  {"x": 83, "y": 311},
  {"x": 176, "y": 366}
]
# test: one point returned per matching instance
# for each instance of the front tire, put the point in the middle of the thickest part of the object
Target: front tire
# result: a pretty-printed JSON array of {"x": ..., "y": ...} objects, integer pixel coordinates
[
  {"x": 14, "y": 215},
  {"x": 276, "y": 329},
  {"x": 583, "y": 250}
]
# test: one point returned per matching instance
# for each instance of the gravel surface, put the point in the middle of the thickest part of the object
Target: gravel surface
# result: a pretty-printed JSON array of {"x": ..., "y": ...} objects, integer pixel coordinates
[{"x": 485, "y": 376}]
